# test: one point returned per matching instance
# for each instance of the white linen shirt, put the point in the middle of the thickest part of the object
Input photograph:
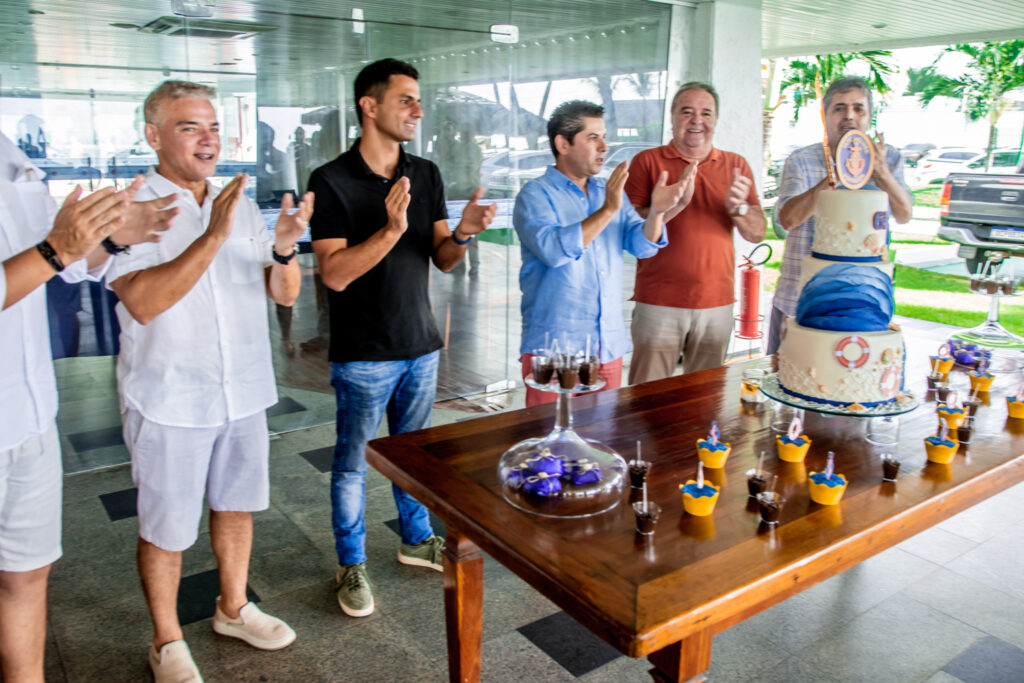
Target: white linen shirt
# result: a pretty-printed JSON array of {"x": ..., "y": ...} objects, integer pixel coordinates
[
  {"x": 205, "y": 360},
  {"x": 28, "y": 390}
]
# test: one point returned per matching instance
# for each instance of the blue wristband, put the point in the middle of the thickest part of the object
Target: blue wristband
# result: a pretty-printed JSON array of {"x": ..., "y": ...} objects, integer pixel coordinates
[{"x": 459, "y": 242}]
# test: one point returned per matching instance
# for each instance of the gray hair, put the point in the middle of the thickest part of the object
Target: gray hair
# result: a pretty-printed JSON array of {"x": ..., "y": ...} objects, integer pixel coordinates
[
  {"x": 695, "y": 85},
  {"x": 173, "y": 90},
  {"x": 846, "y": 84}
]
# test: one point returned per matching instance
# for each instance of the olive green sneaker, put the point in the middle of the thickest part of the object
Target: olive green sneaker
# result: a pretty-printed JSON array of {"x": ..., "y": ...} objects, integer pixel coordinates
[
  {"x": 425, "y": 554},
  {"x": 353, "y": 590}
]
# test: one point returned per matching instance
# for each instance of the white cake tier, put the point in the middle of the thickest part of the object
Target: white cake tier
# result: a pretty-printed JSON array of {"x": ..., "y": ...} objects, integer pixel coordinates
[
  {"x": 810, "y": 266},
  {"x": 852, "y": 224},
  {"x": 840, "y": 368}
]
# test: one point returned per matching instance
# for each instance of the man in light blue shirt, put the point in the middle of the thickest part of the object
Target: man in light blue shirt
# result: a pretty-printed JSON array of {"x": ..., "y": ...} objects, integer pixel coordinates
[
  {"x": 848, "y": 106},
  {"x": 574, "y": 227}
]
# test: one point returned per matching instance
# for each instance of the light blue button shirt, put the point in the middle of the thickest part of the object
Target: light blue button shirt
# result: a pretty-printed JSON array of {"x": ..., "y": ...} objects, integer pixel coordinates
[{"x": 570, "y": 291}]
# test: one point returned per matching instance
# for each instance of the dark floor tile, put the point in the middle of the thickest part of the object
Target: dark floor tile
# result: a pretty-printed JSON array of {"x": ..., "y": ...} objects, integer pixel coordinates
[
  {"x": 285, "y": 406},
  {"x": 320, "y": 458},
  {"x": 435, "y": 523},
  {"x": 96, "y": 438},
  {"x": 121, "y": 504},
  {"x": 575, "y": 648},
  {"x": 197, "y": 596},
  {"x": 989, "y": 660}
]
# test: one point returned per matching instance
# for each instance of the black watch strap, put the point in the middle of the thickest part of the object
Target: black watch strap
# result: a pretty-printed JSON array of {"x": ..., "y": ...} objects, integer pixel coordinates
[
  {"x": 50, "y": 254},
  {"x": 114, "y": 249},
  {"x": 284, "y": 260}
]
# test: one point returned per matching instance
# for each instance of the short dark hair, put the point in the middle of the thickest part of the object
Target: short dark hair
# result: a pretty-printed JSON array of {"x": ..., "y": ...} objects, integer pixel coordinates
[
  {"x": 567, "y": 120},
  {"x": 846, "y": 84},
  {"x": 374, "y": 78},
  {"x": 695, "y": 85}
]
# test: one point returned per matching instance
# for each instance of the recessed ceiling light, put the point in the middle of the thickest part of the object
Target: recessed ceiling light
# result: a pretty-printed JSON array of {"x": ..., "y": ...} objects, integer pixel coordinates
[
  {"x": 121, "y": 24},
  {"x": 879, "y": 25}
]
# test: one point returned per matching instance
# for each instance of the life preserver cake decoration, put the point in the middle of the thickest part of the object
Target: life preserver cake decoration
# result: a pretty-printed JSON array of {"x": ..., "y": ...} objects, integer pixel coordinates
[{"x": 860, "y": 360}]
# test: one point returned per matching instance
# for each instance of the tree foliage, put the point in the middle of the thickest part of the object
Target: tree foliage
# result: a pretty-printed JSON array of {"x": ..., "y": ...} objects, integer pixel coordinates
[
  {"x": 995, "y": 70},
  {"x": 799, "y": 76}
]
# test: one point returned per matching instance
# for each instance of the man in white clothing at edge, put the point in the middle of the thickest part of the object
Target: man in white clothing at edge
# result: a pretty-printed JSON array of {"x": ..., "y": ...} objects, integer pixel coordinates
[
  {"x": 37, "y": 242},
  {"x": 195, "y": 373}
]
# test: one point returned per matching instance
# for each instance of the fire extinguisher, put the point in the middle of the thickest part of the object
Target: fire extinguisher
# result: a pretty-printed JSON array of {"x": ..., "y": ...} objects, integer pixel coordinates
[{"x": 749, "y": 320}]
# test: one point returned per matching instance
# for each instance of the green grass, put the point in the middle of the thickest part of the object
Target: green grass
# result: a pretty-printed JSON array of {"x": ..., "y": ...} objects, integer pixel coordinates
[
  {"x": 928, "y": 196},
  {"x": 914, "y": 278},
  {"x": 1011, "y": 317}
]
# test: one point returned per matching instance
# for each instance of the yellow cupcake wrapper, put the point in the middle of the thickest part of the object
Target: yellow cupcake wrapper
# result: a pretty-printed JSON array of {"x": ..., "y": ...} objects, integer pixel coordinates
[
  {"x": 698, "y": 507},
  {"x": 823, "y": 494},
  {"x": 941, "y": 454},
  {"x": 1015, "y": 408},
  {"x": 714, "y": 459},
  {"x": 790, "y": 452}
]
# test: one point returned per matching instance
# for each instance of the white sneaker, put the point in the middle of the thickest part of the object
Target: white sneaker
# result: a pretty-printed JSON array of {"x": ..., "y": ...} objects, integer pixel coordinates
[
  {"x": 174, "y": 664},
  {"x": 255, "y": 627}
]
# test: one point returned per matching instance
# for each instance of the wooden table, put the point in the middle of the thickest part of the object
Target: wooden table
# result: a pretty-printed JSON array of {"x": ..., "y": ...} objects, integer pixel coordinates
[{"x": 665, "y": 596}]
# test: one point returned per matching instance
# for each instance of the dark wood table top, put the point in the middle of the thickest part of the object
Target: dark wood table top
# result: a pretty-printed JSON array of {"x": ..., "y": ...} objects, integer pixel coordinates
[{"x": 698, "y": 574}]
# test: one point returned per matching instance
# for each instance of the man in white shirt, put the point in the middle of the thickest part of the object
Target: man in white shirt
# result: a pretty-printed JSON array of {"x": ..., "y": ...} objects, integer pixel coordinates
[
  {"x": 195, "y": 373},
  {"x": 30, "y": 465}
]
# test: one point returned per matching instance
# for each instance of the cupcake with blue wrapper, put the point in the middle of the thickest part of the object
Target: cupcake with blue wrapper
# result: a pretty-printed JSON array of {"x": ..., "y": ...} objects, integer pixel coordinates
[
  {"x": 827, "y": 488},
  {"x": 712, "y": 451},
  {"x": 793, "y": 445},
  {"x": 941, "y": 447},
  {"x": 699, "y": 497},
  {"x": 943, "y": 362},
  {"x": 951, "y": 411},
  {"x": 1015, "y": 404}
]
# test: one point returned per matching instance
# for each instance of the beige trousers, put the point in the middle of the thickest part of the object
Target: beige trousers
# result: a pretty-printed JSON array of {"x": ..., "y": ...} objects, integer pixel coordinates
[{"x": 661, "y": 334}]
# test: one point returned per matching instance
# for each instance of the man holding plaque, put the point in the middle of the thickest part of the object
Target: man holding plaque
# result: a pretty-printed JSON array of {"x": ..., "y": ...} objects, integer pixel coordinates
[{"x": 847, "y": 106}]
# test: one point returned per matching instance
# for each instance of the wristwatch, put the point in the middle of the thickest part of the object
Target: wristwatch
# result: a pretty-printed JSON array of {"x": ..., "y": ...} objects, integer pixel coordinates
[
  {"x": 284, "y": 260},
  {"x": 740, "y": 210},
  {"x": 114, "y": 249}
]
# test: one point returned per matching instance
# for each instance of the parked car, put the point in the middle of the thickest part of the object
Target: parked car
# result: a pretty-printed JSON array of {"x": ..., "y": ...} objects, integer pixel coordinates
[
  {"x": 913, "y": 152},
  {"x": 619, "y": 152},
  {"x": 984, "y": 214},
  {"x": 507, "y": 174},
  {"x": 936, "y": 165}
]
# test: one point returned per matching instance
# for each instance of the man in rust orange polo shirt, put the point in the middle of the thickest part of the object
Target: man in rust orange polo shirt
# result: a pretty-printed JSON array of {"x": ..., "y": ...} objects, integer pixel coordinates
[{"x": 684, "y": 293}]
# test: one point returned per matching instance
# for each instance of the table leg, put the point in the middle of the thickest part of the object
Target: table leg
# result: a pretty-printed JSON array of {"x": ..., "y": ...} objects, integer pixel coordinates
[
  {"x": 686, "y": 660},
  {"x": 463, "y": 606}
]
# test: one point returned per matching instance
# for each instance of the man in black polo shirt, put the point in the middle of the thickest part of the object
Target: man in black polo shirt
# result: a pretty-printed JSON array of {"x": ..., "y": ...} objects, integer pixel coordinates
[{"x": 380, "y": 220}]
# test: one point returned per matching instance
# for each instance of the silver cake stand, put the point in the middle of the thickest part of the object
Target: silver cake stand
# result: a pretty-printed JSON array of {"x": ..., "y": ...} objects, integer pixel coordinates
[{"x": 771, "y": 387}]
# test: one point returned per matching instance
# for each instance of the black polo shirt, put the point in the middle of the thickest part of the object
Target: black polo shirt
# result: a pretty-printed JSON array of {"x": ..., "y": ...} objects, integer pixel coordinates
[{"x": 385, "y": 314}]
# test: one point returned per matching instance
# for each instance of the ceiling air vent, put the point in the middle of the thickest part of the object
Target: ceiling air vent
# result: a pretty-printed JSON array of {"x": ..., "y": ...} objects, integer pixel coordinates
[{"x": 204, "y": 28}]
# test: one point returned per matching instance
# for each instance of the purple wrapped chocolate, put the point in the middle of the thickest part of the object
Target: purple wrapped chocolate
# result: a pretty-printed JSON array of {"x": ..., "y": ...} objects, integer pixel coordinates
[
  {"x": 546, "y": 463},
  {"x": 964, "y": 356},
  {"x": 542, "y": 485},
  {"x": 517, "y": 475},
  {"x": 586, "y": 474}
]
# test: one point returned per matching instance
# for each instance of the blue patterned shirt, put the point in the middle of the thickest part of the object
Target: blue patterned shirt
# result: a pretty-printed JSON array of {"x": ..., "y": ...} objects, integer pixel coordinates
[
  {"x": 803, "y": 170},
  {"x": 570, "y": 291}
]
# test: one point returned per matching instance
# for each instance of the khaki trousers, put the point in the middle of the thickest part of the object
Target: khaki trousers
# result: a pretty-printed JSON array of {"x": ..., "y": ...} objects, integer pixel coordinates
[{"x": 662, "y": 333}]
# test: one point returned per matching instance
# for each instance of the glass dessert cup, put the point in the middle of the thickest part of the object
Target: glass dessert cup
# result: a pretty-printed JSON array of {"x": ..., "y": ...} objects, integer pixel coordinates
[
  {"x": 890, "y": 467},
  {"x": 770, "y": 506},
  {"x": 792, "y": 450},
  {"x": 638, "y": 470},
  {"x": 965, "y": 430},
  {"x": 562, "y": 474},
  {"x": 699, "y": 502},
  {"x": 646, "y": 518},
  {"x": 757, "y": 481},
  {"x": 750, "y": 386},
  {"x": 826, "y": 491},
  {"x": 883, "y": 431}
]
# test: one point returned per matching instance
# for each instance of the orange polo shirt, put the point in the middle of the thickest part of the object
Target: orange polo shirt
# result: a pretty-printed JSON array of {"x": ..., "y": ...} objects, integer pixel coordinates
[{"x": 697, "y": 267}]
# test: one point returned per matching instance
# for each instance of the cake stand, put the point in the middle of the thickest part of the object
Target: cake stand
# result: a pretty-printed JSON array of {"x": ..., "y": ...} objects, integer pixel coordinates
[
  {"x": 577, "y": 453},
  {"x": 991, "y": 334},
  {"x": 770, "y": 386}
]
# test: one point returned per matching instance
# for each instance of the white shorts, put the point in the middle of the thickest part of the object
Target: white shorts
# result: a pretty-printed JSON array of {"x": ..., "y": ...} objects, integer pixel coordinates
[
  {"x": 173, "y": 467},
  {"x": 31, "y": 477}
]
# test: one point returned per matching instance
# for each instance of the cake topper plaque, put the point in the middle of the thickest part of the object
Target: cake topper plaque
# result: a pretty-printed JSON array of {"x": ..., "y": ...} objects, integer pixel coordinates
[{"x": 855, "y": 159}]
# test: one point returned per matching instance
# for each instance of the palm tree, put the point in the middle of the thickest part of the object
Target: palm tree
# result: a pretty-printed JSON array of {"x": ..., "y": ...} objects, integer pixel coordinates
[
  {"x": 995, "y": 69},
  {"x": 800, "y": 75},
  {"x": 643, "y": 84}
]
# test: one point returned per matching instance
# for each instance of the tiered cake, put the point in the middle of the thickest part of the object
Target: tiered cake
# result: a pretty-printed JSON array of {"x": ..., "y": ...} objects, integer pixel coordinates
[{"x": 842, "y": 348}]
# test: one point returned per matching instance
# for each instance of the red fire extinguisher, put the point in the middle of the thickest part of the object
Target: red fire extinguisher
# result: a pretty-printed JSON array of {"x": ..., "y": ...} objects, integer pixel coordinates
[{"x": 749, "y": 319}]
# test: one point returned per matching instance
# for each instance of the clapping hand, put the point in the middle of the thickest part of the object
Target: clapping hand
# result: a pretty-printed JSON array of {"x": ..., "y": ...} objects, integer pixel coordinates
[
  {"x": 144, "y": 221},
  {"x": 475, "y": 216},
  {"x": 222, "y": 215},
  {"x": 81, "y": 224},
  {"x": 290, "y": 226},
  {"x": 739, "y": 190},
  {"x": 614, "y": 187},
  {"x": 678, "y": 194},
  {"x": 397, "y": 205},
  {"x": 881, "y": 171}
]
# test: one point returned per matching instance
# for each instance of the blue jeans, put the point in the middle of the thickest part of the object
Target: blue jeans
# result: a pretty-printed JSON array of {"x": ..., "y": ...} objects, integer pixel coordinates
[{"x": 364, "y": 389}]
